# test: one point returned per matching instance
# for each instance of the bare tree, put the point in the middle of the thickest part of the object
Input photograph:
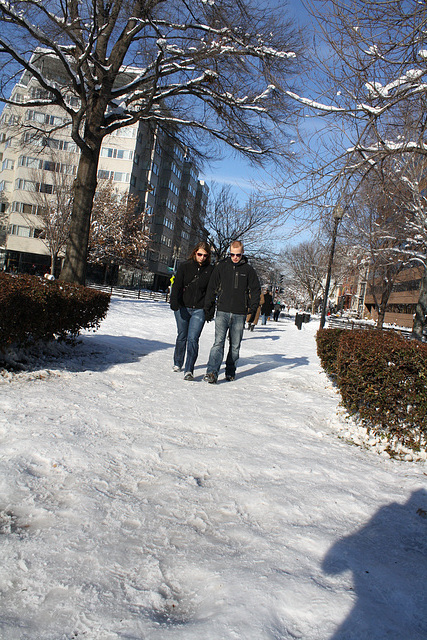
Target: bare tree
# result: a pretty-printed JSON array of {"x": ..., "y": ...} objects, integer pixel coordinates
[
  {"x": 367, "y": 92},
  {"x": 53, "y": 196},
  {"x": 374, "y": 228},
  {"x": 404, "y": 230},
  {"x": 372, "y": 86},
  {"x": 119, "y": 233},
  {"x": 209, "y": 67},
  {"x": 305, "y": 266},
  {"x": 253, "y": 222}
]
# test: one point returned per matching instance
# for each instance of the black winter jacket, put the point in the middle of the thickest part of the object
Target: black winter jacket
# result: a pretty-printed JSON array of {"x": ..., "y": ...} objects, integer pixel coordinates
[
  {"x": 190, "y": 284},
  {"x": 267, "y": 306},
  {"x": 235, "y": 287}
]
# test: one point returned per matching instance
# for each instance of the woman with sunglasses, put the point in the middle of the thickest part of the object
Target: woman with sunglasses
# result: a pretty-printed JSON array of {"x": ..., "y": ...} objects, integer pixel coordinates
[{"x": 187, "y": 301}]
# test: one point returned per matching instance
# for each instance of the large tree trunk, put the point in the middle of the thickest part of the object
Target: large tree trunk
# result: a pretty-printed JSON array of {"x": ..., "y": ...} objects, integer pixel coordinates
[
  {"x": 381, "y": 306},
  {"x": 381, "y": 316},
  {"x": 74, "y": 269},
  {"x": 421, "y": 309}
]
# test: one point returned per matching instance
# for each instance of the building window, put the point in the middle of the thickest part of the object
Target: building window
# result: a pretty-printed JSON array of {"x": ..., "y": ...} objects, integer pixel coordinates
[
  {"x": 116, "y": 176},
  {"x": 39, "y": 94},
  {"x": 25, "y": 185},
  {"x": 7, "y": 164},
  {"x": 29, "y": 185},
  {"x": 25, "y": 161},
  {"x": 40, "y": 140},
  {"x": 165, "y": 240},
  {"x": 43, "y": 187},
  {"x": 176, "y": 171},
  {"x": 173, "y": 188},
  {"x": 18, "y": 230},
  {"x": 72, "y": 101},
  {"x": 44, "y": 118},
  {"x": 170, "y": 205},
  {"x": 124, "y": 132},
  {"x": 10, "y": 120},
  {"x": 26, "y": 207},
  {"x": 168, "y": 223},
  {"x": 178, "y": 153},
  {"x": 121, "y": 154}
]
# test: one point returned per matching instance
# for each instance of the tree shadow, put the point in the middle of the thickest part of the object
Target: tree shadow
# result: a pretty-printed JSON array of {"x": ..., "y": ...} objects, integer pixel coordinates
[
  {"x": 99, "y": 352},
  {"x": 388, "y": 559},
  {"x": 262, "y": 363},
  {"x": 87, "y": 353},
  {"x": 256, "y": 336}
]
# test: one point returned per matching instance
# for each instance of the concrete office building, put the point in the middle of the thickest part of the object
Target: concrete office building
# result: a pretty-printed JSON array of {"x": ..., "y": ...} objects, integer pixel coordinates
[{"x": 149, "y": 161}]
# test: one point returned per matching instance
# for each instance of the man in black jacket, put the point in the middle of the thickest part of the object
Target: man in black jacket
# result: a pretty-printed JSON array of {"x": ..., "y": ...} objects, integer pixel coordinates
[{"x": 235, "y": 287}]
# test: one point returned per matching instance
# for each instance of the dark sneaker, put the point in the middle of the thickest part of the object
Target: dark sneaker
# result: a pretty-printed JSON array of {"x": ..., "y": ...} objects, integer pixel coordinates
[
  {"x": 188, "y": 376},
  {"x": 230, "y": 378},
  {"x": 210, "y": 377}
]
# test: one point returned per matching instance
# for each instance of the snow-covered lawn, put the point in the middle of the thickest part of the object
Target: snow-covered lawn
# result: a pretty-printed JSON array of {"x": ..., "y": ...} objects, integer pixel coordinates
[{"x": 134, "y": 505}]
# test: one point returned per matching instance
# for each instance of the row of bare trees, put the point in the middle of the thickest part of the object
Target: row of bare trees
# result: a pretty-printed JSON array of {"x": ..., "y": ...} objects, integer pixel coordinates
[
  {"x": 211, "y": 70},
  {"x": 224, "y": 72},
  {"x": 367, "y": 93}
]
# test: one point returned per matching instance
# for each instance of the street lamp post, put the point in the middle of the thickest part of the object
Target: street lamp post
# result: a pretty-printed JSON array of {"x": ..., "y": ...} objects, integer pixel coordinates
[{"x": 338, "y": 214}]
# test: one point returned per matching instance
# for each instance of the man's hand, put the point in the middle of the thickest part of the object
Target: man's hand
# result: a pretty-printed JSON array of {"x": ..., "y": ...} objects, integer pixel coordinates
[{"x": 209, "y": 314}]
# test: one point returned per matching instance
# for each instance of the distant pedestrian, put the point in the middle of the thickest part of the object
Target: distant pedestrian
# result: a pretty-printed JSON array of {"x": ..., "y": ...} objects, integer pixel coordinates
[
  {"x": 266, "y": 305},
  {"x": 187, "y": 300},
  {"x": 234, "y": 285},
  {"x": 276, "y": 310}
]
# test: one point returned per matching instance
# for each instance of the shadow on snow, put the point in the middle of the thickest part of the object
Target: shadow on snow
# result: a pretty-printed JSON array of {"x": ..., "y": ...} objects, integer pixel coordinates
[{"x": 388, "y": 560}]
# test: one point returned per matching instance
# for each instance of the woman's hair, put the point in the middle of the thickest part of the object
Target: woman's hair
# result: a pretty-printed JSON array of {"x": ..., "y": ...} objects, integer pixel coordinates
[{"x": 201, "y": 245}]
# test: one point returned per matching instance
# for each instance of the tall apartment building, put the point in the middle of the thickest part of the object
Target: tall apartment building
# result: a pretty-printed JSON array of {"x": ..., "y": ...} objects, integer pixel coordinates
[{"x": 145, "y": 160}]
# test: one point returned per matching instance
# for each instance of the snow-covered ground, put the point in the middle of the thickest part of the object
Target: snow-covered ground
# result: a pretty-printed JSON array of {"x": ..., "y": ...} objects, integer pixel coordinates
[{"x": 134, "y": 505}]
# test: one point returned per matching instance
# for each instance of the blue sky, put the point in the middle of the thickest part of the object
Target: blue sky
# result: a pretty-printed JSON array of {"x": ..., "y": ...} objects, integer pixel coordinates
[{"x": 236, "y": 171}]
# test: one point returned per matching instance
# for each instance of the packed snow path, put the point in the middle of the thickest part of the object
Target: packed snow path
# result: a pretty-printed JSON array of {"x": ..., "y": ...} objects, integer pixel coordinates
[{"x": 134, "y": 505}]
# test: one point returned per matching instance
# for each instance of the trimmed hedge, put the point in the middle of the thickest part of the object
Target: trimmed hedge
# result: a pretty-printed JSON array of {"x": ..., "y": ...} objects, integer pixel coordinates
[
  {"x": 32, "y": 309},
  {"x": 382, "y": 379},
  {"x": 327, "y": 349}
]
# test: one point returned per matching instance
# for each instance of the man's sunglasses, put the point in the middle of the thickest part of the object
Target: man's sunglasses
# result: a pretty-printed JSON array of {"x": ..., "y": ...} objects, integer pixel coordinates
[{"x": 235, "y": 255}]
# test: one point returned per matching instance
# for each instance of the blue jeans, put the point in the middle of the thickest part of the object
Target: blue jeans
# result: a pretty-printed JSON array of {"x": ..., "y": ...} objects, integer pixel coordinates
[
  {"x": 264, "y": 317},
  {"x": 233, "y": 324},
  {"x": 189, "y": 323}
]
